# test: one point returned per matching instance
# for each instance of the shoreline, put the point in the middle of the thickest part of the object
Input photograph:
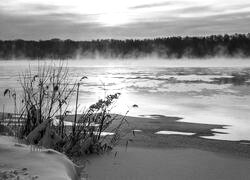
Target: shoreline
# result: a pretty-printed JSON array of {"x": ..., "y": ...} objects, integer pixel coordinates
[
  {"x": 152, "y": 156},
  {"x": 139, "y": 150},
  {"x": 146, "y": 137},
  {"x": 145, "y": 128}
]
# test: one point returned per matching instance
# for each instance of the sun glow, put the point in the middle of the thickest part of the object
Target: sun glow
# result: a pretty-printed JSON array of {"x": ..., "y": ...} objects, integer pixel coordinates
[{"x": 113, "y": 19}]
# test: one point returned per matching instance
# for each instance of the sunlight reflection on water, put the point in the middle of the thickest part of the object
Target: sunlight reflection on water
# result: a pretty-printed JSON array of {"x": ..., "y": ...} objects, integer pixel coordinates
[{"x": 188, "y": 92}]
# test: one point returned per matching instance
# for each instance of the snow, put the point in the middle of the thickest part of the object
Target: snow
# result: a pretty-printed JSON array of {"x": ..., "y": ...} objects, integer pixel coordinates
[{"x": 18, "y": 161}]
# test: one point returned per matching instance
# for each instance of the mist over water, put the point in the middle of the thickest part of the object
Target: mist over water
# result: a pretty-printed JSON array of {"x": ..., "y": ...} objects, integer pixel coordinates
[
  {"x": 198, "y": 90},
  {"x": 150, "y": 61}
]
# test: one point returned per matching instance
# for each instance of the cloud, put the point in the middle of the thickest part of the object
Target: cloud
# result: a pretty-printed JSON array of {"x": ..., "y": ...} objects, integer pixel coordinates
[
  {"x": 51, "y": 26},
  {"x": 195, "y": 9},
  {"x": 40, "y": 7},
  {"x": 46, "y": 26},
  {"x": 153, "y": 5},
  {"x": 214, "y": 24},
  {"x": 45, "y": 21}
]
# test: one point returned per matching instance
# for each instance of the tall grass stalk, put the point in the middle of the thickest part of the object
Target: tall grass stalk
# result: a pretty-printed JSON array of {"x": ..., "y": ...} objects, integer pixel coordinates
[{"x": 45, "y": 98}]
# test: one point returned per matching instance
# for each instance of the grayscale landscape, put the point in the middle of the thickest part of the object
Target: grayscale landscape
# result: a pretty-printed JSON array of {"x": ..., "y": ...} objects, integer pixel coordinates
[{"x": 110, "y": 90}]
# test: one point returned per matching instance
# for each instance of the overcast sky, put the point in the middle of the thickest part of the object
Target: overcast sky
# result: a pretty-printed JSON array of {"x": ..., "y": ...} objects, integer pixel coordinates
[{"x": 121, "y": 19}]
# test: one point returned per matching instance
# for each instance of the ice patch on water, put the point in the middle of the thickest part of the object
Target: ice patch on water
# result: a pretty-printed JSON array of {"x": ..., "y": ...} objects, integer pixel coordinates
[
  {"x": 175, "y": 133},
  {"x": 245, "y": 143},
  {"x": 106, "y": 133},
  {"x": 137, "y": 130}
]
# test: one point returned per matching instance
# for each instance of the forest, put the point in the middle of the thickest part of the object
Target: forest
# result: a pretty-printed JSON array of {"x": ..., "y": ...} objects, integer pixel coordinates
[{"x": 236, "y": 45}]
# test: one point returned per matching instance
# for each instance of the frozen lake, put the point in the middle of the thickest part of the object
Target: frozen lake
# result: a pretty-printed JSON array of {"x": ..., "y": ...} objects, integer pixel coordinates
[{"x": 204, "y": 91}]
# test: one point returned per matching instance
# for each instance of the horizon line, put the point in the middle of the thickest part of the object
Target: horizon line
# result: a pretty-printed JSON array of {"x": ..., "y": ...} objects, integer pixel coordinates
[{"x": 144, "y": 38}]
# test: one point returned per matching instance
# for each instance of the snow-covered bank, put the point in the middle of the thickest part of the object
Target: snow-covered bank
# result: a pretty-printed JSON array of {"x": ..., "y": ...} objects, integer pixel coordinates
[{"x": 18, "y": 160}]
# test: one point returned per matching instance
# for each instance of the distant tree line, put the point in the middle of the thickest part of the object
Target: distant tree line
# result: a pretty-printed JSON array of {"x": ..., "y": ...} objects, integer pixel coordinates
[{"x": 237, "y": 45}]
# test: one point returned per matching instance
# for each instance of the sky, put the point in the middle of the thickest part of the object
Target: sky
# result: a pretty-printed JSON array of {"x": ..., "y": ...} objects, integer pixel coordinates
[{"x": 121, "y": 19}]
